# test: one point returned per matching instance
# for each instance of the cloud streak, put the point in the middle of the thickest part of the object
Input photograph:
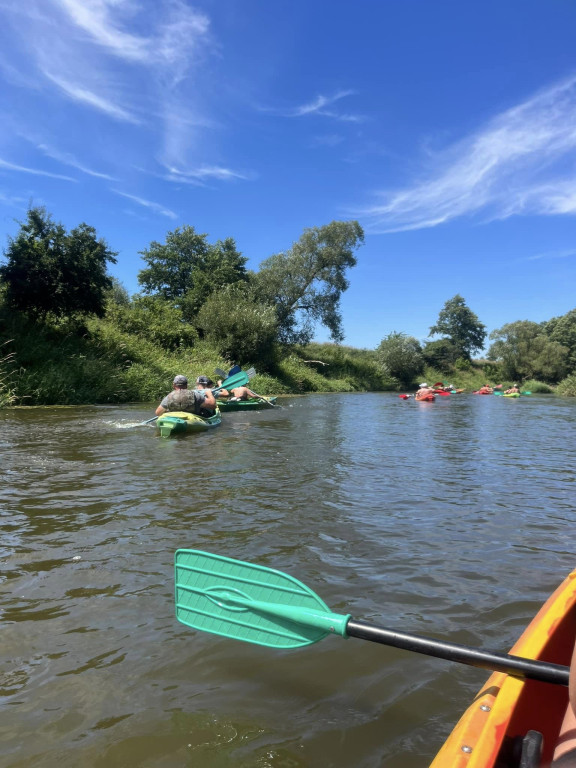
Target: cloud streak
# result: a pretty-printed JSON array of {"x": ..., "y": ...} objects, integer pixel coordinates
[
  {"x": 514, "y": 165},
  {"x": 156, "y": 207},
  {"x": 320, "y": 106},
  {"x": 33, "y": 171}
]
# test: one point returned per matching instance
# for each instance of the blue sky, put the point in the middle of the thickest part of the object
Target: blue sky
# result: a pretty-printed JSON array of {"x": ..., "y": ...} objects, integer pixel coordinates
[{"x": 448, "y": 129}]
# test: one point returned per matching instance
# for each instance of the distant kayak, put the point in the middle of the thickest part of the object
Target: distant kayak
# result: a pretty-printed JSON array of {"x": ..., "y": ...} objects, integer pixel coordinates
[
  {"x": 181, "y": 422},
  {"x": 511, "y": 394},
  {"x": 425, "y": 398}
]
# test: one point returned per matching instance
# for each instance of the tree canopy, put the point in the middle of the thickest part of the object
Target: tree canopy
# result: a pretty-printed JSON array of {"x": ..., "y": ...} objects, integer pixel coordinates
[
  {"x": 52, "y": 272},
  {"x": 400, "y": 356},
  {"x": 461, "y": 326},
  {"x": 186, "y": 269},
  {"x": 526, "y": 352},
  {"x": 306, "y": 282}
]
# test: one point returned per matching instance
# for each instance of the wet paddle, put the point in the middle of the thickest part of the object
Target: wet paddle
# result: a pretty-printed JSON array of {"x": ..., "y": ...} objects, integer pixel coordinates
[
  {"x": 249, "y": 602},
  {"x": 238, "y": 380}
]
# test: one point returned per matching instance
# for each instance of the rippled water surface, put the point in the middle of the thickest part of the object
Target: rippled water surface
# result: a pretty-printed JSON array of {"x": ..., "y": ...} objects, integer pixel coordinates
[{"x": 451, "y": 519}]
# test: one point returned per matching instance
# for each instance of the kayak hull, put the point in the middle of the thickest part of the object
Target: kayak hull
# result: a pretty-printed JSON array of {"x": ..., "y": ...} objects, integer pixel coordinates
[
  {"x": 511, "y": 394},
  {"x": 181, "y": 423},
  {"x": 425, "y": 398},
  {"x": 245, "y": 405},
  {"x": 506, "y": 708}
]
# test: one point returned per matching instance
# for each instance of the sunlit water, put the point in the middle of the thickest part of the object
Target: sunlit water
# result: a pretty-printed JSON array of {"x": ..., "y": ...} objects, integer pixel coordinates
[{"x": 452, "y": 519}]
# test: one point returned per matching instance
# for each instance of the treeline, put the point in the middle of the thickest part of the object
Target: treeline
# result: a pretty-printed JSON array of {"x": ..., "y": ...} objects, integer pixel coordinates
[
  {"x": 70, "y": 333},
  {"x": 520, "y": 351},
  {"x": 198, "y": 304}
]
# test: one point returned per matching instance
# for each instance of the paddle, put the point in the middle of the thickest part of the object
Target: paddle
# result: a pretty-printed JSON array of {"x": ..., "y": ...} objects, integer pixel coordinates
[
  {"x": 222, "y": 374},
  {"x": 238, "y": 380},
  {"x": 249, "y": 602}
]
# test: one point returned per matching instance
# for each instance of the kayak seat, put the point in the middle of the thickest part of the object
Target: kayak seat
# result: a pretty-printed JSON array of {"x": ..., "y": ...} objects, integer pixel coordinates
[{"x": 527, "y": 750}]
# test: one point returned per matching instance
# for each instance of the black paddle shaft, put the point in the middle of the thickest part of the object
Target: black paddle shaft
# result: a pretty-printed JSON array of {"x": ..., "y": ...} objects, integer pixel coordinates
[{"x": 499, "y": 662}]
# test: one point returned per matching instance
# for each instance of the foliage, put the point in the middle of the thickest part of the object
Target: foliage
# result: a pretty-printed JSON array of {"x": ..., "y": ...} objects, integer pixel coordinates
[
  {"x": 7, "y": 396},
  {"x": 441, "y": 354},
  {"x": 52, "y": 272},
  {"x": 186, "y": 269},
  {"x": 534, "y": 386},
  {"x": 567, "y": 386},
  {"x": 359, "y": 369},
  {"x": 117, "y": 293},
  {"x": 155, "y": 320},
  {"x": 306, "y": 282},
  {"x": 563, "y": 330},
  {"x": 461, "y": 326},
  {"x": 401, "y": 357},
  {"x": 527, "y": 352},
  {"x": 241, "y": 328}
]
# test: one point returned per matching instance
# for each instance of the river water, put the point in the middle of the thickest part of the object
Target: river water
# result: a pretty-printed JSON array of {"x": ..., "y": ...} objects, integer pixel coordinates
[{"x": 450, "y": 519}]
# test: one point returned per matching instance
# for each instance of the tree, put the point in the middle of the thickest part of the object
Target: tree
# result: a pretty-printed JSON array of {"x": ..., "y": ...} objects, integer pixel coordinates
[
  {"x": 563, "y": 330},
  {"x": 461, "y": 326},
  {"x": 526, "y": 352},
  {"x": 306, "y": 282},
  {"x": 400, "y": 357},
  {"x": 186, "y": 269},
  {"x": 52, "y": 272},
  {"x": 440, "y": 354},
  {"x": 243, "y": 329}
]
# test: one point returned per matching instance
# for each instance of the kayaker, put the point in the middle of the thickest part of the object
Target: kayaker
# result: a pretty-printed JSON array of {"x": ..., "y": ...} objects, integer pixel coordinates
[
  {"x": 181, "y": 398},
  {"x": 424, "y": 390},
  {"x": 513, "y": 389},
  {"x": 238, "y": 393},
  {"x": 486, "y": 389}
]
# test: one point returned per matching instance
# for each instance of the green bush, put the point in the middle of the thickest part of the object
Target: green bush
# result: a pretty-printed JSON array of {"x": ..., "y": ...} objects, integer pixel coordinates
[{"x": 567, "y": 387}]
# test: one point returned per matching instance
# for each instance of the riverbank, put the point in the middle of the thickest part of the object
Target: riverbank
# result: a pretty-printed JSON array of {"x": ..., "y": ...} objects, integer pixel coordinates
[{"x": 97, "y": 362}]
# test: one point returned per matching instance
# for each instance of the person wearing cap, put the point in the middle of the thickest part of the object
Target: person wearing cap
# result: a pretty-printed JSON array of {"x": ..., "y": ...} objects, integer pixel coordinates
[
  {"x": 512, "y": 390},
  {"x": 181, "y": 398},
  {"x": 424, "y": 390}
]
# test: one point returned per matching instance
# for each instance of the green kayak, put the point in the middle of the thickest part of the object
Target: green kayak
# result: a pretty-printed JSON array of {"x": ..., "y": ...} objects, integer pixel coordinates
[
  {"x": 246, "y": 405},
  {"x": 181, "y": 422}
]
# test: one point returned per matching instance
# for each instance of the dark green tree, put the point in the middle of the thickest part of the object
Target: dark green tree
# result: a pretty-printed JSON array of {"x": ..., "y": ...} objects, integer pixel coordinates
[
  {"x": 526, "y": 352},
  {"x": 306, "y": 282},
  {"x": 186, "y": 269},
  {"x": 460, "y": 326},
  {"x": 400, "y": 356},
  {"x": 440, "y": 354},
  {"x": 50, "y": 272}
]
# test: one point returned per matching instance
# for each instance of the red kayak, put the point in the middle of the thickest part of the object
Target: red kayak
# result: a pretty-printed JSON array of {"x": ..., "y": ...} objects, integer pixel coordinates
[{"x": 425, "y": 398}]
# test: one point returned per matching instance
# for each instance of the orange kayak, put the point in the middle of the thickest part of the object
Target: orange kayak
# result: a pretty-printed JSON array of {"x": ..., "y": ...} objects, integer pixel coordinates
[
  {"x": 425, "y": 398},
  {"x": 507, "y": 707}
]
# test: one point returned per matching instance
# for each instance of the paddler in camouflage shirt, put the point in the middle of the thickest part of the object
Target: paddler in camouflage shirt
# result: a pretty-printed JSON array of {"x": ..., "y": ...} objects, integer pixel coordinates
[{"x": 200, "y": 402}]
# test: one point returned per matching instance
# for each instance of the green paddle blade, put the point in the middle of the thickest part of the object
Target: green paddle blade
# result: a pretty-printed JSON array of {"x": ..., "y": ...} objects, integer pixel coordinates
[
  {"x": 249, "y": 602},
  {"x": 238, "y": 380}
]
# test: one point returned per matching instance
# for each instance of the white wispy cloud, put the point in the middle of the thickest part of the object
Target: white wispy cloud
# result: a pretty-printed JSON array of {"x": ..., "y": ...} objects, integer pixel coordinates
[
  {"x": 205, "y": 172},
  {"x": 33, "y": 171},
  {"x": 321, "y": 105},
  {"x": 519, "y": 163},
  {"x": 67, "y": 159},
  {"x": 560, "y": 254},
  {"x": 148, "y": 204},
  {"x": 83, "y": 95}
]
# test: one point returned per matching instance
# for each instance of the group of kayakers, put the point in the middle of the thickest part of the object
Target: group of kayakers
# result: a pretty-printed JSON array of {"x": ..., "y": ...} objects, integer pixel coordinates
[
  {"x": 486, "y": 389},
  {"x": 200, "y": 400}
]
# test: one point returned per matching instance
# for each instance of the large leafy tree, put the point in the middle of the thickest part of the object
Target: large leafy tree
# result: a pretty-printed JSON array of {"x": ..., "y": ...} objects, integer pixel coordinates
[
  {"x": 526, "y": 352},
  {"x": 563, "y": 330},
  {"x": 305, "y": 283},
  {"x": 460, "y": 326},
  {"x": 400, "y": 356},
  {"x": 50, "y": 271},
  {"x": 186, "y": 269}
]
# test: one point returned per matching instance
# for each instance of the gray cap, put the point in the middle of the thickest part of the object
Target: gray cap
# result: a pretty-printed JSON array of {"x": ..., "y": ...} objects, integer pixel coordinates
[
  {"x": 180, "y": 381},
  {"x": 423, "y": 384},
  {"x": 202, "y": 380}
]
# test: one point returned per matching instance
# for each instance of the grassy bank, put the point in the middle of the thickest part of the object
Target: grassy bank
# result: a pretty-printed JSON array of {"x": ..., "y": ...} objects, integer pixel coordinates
[{"x": 96, "y": 362}]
